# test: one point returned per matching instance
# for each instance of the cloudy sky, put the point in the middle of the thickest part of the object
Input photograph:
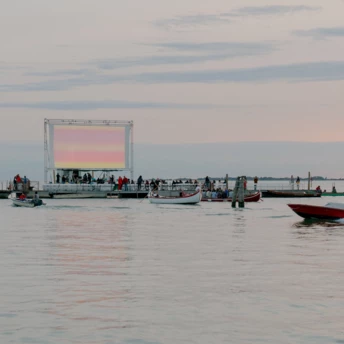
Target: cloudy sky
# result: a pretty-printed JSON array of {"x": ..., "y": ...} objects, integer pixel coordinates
[{"x": 186, "y": 71}]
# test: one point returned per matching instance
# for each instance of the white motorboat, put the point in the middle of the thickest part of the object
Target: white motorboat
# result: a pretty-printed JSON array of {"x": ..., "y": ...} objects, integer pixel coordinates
[
  {"x": 28, "y": 203},
  {"x": 183, "y": 199}
]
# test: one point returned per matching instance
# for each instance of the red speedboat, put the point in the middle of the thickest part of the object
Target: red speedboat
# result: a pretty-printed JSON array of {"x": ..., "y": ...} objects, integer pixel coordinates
[{"x": 331, "y": 211}]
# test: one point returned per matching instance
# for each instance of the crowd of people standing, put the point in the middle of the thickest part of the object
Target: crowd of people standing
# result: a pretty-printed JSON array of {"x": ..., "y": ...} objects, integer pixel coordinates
[{"x": 23, "y": 181}]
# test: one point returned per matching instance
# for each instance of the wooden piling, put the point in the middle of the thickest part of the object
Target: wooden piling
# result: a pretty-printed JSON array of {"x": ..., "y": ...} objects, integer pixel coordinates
[
  {"x": 235, "y": 193},
  {"x": 241, "y": 195}
]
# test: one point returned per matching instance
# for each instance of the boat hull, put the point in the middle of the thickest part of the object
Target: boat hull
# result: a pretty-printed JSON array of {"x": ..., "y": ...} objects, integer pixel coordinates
[
  {"x": 333, "y": 194},
  {"x": 317, "y": 212},
  {"x": 187, "y": 199},
  {"x": 4, "y": 194},
  {"x": 289, "y": 194},
  {"x": 250, "y": 198},
  {"x": 27, "y": 203},
  {"x": 65, "y": 195}
]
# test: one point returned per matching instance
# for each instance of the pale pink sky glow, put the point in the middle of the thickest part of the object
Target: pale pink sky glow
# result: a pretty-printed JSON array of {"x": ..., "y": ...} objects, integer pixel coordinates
[{"x": 184, "y": 71}]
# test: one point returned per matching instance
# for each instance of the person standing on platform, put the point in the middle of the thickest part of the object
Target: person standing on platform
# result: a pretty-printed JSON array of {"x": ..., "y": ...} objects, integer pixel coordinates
[
  {"x": 125, "y": 183},
  {"x": 58, "y": 178},
  {"x": 139, "y": 183},
  {"x": 207, "y": 182},
  {"x": 120, "y": 182},
  {"x": 25, "y": 188},
  {"x": 18, "y": 179},
  {"x": 255, "y": 180},
  {"x": 298, "y": 182}
]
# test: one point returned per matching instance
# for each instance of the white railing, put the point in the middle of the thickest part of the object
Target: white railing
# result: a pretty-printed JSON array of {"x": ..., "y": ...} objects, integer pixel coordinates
[
  {"x": 35, "y": 186},
  {"x": 9, "y": 186},
  {"x": 53, "y": 188}
]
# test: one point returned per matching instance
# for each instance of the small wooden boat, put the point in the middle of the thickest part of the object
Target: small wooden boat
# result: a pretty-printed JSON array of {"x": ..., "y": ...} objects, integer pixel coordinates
[
  {"x": 290, "y": 194},
  {"x": 331, "y": 211},
  {"x": 184, "y": 199},
  {"x": 28, "y": 203},
  {"x": 248, "y": 198}
]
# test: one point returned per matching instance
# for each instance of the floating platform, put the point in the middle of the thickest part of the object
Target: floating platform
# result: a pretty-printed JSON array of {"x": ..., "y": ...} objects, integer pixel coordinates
[{"x": 98, "y": 194}]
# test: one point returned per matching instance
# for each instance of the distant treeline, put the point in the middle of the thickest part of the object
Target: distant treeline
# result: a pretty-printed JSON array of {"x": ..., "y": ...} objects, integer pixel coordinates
[{"x": 275, "y": 178}]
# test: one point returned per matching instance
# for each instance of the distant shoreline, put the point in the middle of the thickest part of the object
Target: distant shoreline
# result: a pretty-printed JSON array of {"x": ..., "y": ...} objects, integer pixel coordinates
[{"x": 317, "y": 178}]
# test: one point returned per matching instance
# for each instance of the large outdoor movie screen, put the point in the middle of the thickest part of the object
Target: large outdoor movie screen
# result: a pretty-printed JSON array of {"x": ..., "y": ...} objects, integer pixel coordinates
[{"x": 89, "y": 147}]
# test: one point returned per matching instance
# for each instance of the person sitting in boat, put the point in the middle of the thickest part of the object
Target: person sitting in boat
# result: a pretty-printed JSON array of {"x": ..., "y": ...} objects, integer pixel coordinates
[
  {"x": 334, "y": 189},
  {"x": 226, "y": 193},
  {"x": 198, "y": 188},
  {"x": 208, "y": 193},
  {"x": 22, "y": 197},
  {"x": 214, "y": 194},
  {"x": 318, "y": 189},
  {"x": 36, "y": 197},
  {"x": 223, "y": 194}
]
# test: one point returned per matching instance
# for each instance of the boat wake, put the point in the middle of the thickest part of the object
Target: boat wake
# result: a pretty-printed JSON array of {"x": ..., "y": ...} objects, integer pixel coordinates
[
  {"x": 219, "y": 214},
  {"x": 278, "y": 216},
  {"x": 314, "y": 223}
]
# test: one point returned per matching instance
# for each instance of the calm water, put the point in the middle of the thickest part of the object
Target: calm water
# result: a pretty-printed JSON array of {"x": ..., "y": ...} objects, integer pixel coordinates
[{"x": 125, "y": 271}]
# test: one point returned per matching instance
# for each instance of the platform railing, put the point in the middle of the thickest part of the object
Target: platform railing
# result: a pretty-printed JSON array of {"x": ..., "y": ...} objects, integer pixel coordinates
[
  {"x": 10, "y": 186},
  {"x": 106, "y": 187},
  {"x": 35, "y": 186}
]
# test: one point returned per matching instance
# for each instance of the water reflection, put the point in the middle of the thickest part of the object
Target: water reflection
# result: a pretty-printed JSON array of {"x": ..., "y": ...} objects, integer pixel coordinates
[
  {"x": 113, "y": 271},
  {"x": 90, "y": 256}
]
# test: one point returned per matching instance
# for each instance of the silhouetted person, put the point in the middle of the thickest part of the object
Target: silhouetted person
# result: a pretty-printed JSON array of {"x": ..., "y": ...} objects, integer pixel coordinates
[{"x": 139, "y": 183}]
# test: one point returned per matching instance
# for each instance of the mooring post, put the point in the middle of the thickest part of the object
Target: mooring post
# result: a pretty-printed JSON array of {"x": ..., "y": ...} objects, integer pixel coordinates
[
  {"x": 241, "y": 195},
  {"x": 309, "y": 181},
  {"x": 235, "y": 193}
]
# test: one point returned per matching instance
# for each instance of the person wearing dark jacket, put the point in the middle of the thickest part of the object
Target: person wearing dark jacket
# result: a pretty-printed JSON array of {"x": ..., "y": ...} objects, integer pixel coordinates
[{"x": 139, "y": 183}]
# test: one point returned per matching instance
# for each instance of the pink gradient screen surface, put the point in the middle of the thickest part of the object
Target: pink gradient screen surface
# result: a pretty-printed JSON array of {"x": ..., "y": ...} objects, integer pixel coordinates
[{"x": 91, "y": 147}]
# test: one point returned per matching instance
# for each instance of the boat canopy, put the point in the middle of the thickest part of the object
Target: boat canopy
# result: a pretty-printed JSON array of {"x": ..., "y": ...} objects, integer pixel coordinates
[{"x": 335, "y": 205}]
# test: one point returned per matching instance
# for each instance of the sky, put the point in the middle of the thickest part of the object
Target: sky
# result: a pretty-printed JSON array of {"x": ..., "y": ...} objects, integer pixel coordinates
[{"x": 187, "y": 72}]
